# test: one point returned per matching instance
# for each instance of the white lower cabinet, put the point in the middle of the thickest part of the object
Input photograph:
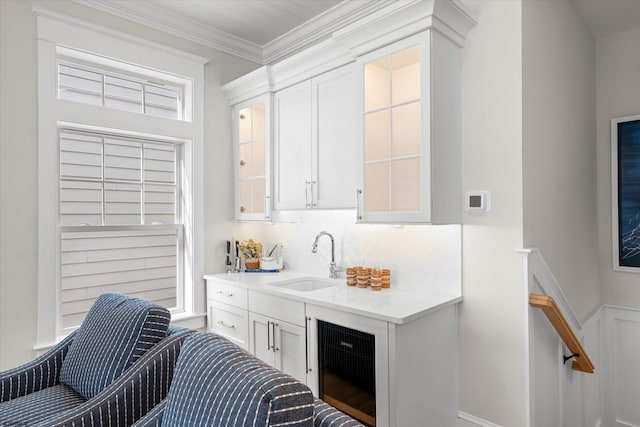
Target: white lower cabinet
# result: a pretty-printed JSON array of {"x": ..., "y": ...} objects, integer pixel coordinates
[
  {"x": 227, "y": 312},
  {"x": 278, "y": 343},
  {"x": 277, "y": 333},
  {"x": 415, "y": 363}
]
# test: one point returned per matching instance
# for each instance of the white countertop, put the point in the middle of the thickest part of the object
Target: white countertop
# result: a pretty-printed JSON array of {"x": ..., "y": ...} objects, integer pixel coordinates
[{"x": 391, "y": 305}]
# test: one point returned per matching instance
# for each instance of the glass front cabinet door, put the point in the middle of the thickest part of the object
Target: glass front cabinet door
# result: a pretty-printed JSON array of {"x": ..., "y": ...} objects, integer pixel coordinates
[
  {"x": 252, "y": 159},
  {"x": 400, "y": 178}
]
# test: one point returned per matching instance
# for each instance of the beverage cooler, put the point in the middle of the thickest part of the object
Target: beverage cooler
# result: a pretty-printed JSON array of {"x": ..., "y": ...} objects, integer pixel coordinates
[{"x": 346, "y": 370}]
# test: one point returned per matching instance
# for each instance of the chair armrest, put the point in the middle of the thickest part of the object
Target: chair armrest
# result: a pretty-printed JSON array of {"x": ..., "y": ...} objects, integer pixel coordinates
[
  {"x": 40, "y": 373},
  {"x": 153, "y": 417},
  {"x": 128, "y": 398},
  {"x": 325, "y": 415}
]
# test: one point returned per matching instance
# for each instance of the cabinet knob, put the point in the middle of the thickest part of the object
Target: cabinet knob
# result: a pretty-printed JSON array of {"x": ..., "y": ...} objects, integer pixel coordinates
[
  {"x": 242, "y": 163},
  {"x": 242, "y": 209}
]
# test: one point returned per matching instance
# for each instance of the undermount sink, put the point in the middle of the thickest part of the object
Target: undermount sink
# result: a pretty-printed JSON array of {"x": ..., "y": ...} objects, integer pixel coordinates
[{"x": 305, "y": 284}]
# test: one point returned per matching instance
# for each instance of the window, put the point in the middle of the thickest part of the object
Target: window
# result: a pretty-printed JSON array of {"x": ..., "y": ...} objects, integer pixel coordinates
[
  {"x": 123, "y": 193},
  {"x": 111, "y": 180},
  {"x": 120, "y": 125},
  {"x": 127, "y": 93}
]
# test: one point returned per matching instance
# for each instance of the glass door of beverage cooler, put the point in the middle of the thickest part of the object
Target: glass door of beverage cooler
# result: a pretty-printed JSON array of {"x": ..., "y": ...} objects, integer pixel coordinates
[{"x": 347, "y": 377}]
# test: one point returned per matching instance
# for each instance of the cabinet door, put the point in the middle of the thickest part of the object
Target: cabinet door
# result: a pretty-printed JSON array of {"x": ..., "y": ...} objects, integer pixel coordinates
[
  {"x": 261, "y": 340},
  {"x": 292, "y": 162},
  {"x": 229, "y": 321},
  {"x": 334, "y": 162},
  {"x": 252, "y": 159},
  {"x": 290, "y": 350},
  {"x": 395, "y": 157}
]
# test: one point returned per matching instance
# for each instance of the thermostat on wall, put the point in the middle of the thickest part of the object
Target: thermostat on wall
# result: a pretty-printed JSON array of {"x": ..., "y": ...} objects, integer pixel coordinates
[{"x": 477, "y": 201}]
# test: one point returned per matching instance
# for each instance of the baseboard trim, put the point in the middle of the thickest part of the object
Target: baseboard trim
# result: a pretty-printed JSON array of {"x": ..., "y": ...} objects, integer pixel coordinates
[{"x": 476, "y": 421}]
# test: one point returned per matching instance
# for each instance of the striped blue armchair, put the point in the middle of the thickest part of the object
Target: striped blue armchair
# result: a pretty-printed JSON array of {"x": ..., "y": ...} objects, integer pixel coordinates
[
  {"x": 219, "y": 384},
  {"x": 115, "y": 368}
]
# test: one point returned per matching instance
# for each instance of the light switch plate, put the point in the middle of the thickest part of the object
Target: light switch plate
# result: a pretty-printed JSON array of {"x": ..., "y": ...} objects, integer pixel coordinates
[{"x": 477, "y": 201}]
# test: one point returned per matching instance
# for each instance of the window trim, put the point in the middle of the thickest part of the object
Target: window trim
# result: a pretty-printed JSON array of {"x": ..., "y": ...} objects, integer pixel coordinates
[{"x": 56, "y": 30}]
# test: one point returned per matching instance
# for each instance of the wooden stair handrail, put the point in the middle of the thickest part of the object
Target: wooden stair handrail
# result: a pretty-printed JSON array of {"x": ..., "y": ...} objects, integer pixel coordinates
[{"x": 548, "y": 306}]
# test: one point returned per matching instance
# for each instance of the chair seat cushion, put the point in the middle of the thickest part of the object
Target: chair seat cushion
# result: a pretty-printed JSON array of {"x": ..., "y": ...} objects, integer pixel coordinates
[
  {"x": 116, "y": 332},
  {"x": 39, "y": 405},
  {"x": 216, "y": 383}
]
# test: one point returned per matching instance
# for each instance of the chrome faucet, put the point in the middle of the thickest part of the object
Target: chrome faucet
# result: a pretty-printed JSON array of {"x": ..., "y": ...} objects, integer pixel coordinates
[{"x": 334, "y": 271}]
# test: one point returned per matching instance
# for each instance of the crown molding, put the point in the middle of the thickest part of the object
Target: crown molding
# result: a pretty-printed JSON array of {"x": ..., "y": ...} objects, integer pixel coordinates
[
  {"x": 166, "y": 21},
  {"x": 256, "y": 83},
  {"x": 398, "y": 20},
  {"x": 320, "y": 28},
  {"x": 315, "y": 30}
]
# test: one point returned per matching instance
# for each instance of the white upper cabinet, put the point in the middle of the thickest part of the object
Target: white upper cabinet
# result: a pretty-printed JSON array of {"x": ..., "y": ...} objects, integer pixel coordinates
[
  {"x": 252, "y": 154},
  {"x": 369, "y": 118},
  {"x": 250, "y": 99},
  {"x": 292, "y": 159},
  {"x": 395, "y": 155},
  {"x": 315, "y": 142}
]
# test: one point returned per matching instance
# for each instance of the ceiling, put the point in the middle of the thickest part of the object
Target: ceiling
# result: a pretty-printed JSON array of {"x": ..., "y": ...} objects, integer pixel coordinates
[
  {"x": 265, "y": 31},
  {"x": 261, "y": 31},
  {"x": 607, "y": 17}
]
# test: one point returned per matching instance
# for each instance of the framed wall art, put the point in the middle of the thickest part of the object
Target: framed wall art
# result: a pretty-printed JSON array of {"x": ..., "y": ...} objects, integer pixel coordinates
[{"x": 625, "y": 192}]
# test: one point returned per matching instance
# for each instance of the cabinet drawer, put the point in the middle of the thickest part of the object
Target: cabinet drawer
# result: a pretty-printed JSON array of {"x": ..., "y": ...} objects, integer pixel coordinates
[
  {"x": 232, "y": 322},
  {"x": 227, "y": 293},
  {"x": 277, "y": 308}
]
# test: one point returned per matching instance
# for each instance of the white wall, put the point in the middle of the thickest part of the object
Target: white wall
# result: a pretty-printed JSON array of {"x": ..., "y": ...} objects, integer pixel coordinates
[
  {"x": 618, "y": 95},
  {"x": 18, "y": 149},
  {"x": 492, "y": 366},
  {"x": 18, "y": 207},
  {"x": 559, "y": 149}
]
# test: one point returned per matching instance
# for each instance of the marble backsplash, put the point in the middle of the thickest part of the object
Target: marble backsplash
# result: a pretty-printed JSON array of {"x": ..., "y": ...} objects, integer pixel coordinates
[{"x": 423, "y": 258}]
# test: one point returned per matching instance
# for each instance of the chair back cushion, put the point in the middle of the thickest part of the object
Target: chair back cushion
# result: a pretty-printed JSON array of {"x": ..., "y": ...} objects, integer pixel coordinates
[
  {"x": 117, "y": 330},
  {"x": 216, "y": 383}
]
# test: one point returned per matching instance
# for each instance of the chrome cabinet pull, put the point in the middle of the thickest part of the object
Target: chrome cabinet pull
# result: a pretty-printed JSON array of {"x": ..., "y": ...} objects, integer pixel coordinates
[
  {"x": 358, "y": 208},
  {"x": 268, "y": 335},
  {"x": 267, "y": 211},
  {"x": 307, "y": 321},
  {"x": 307, "y": 183},
  {"x": 227, "y": 294},
  {"x": 273, "y": 325},
  {"x": 227, "y": 325},
  {"x": 313, "y": 194}
]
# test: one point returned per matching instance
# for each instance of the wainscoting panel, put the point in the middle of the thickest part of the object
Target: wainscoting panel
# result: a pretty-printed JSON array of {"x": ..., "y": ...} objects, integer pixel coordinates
[{"x": 622, "y": 358}]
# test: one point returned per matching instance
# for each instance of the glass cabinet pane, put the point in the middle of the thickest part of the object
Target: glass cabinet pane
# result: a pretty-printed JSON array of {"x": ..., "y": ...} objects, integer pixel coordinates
[
  {"x": 257, "y": 205},
  {"x": 244, "y": 125},
  {"x": 405, "y": 127},
  {"x": 252, "y": 152},
  {"x": 246, "y": 161},
  {"x": 258, "y": 156},
  {"x": 258, "y": 124},
  {"x": 376, "y": 136},
  {"x": 376, "y": 84},
  {"x": 393, "y": 132},
  {"x": 405, "y": 188},
  {"x": 376, "y": 184},
  {"x": 405, "y": 75}
]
